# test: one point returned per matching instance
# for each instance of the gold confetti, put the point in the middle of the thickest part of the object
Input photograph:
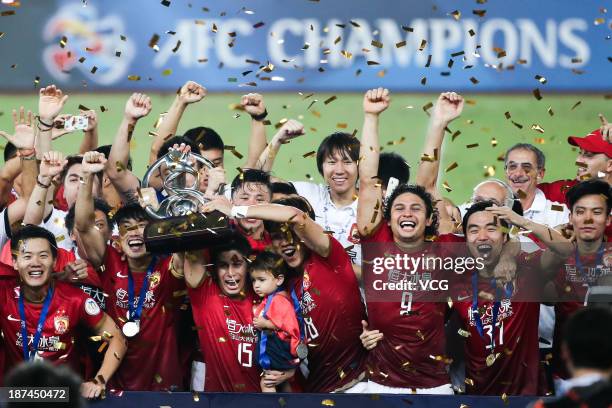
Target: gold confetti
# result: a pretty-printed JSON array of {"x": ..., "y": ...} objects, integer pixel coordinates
[
  {"x": 472, "y": 33},
  {"x": 456, "y": 15},
  {"x": 328, "y": 402},
  {"x": 474, "y": 80},
  {"x": 469, "y": 381},
  {"x": 158, "y": 378},
  {"x": 166, "y": 72},
  {"x": 7, "y": 13},
  {"x": 134, "y": 77},
  {"x": 464, "y": 333},
  {"x": 537, "y": 94},
  {"x": 504, "y": 398},
  {"x": 346, "y": 54},
  {"x": 423, "y": 44},
  {"x": 550, "y": 111},
  {"x": 479, "y": 13},
  {"x": 537, "y": 128},
  {"x": 447, "y": 187},
  {"x": 309, "y": 154},
  {"x": 599, "y": 21},
  {"x": 576, "y": 105},
  {"x": 489, "y": 171},
  {"x": 377, "y": 44},
  {"x": 370, "y": 62},
  {"x": 493, "y": 142},
  {"x": 471, "y": 146},
  {"x": 452, "y": 166},
  {"x": 330, "y": 99},
  {"x": 541, "y": 79},
  {"x": 342, "y": 125},
  {"x": 165, "y": 3},
  {"x": 400, "y": 44}
]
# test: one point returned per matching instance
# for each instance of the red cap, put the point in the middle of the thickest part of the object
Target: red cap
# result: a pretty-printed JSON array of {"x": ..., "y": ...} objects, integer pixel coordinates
[{"x": 593, "y": 143}]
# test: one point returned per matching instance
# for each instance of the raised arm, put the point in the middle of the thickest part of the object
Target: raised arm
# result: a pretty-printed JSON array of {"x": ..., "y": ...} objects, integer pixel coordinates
[
  {"x": 126, "y": 183},
  {"x": 448, "y": 107},
  {"x": 307, "y": 230},
  {"x": 370, "y": 206},
  {"x": 189, "y": 93},
  {"x": 51, "y": 100},
  {"x": 117, "y": 347},
  {"x": 90, "y": 135},
  {"x": 194, "y": 268},
  {"x": 51, "y": 165},
  {"x": 90, "y": 238},
  {"x": 290, "y": 130},
  {"x": 253, "y": 104}
]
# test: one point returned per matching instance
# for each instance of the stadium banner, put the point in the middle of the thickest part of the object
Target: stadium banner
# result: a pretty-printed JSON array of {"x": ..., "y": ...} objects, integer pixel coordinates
[{"x": 288, "y": 45}]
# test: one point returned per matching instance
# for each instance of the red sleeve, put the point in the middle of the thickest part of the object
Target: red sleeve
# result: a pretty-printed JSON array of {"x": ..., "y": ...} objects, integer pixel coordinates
[
  {"x": 63, "y": 258},
  {"x": 382, "y": 233},
  {"x": 337, "y": 257},
  {"x": 7, "y": 271},
  {"x": 282, "y": 315},
  {"x": 198, "y": 296}
]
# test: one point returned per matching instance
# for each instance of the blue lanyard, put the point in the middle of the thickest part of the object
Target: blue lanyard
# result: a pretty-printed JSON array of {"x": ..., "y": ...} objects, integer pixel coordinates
[
  {"x": 27, "y": 356},
  {"x": 598, "y": 262},
  {"x": 135, "y": 314},
  {"x": 496, "y": 306}
]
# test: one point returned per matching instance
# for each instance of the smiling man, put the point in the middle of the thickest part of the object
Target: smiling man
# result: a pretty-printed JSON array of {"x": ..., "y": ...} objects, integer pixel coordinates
[
  {"x": 47, "y": 312},
  {"x": 142, "y": 290}
]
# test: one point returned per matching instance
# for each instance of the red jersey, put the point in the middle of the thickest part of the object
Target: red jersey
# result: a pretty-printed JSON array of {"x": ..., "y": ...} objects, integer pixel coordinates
[
  {"x": 227, "y": 338},
  {"x": 69, "y": 309},
  {"x": 413, "y": 331},
  {"x": 515, "y": 369},
  {"x": 572, "y": 285},
  {"x": 282, "y": 315},
  {"x": 151, "y": 362},
  {"x": 257, "y": 245},
  {"x": 332, "y": 309}
]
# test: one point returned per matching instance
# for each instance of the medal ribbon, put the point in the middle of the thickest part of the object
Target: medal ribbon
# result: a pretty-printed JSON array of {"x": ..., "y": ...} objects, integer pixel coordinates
[
  {"x": 135, "y": 314},
  {"x": 598, "y": 262},
  {"x": 496, "y": 306},
  {"x": 27, "y": 355}
]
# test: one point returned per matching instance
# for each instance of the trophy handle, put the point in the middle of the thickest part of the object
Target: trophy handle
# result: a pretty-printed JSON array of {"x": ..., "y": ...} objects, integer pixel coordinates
[{"x": 180, "y": 162}]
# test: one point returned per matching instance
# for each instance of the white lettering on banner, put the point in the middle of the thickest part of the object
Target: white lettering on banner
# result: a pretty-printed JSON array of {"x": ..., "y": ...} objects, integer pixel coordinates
[{"x": 554, "y": 44}]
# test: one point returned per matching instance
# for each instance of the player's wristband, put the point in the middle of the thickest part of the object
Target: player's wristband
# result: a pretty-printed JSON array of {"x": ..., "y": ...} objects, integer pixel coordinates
[
  {"x": 43, "y": 123},
  {"x": 239, "y": 211},
  {"x": 41, "y": 184},
  {"x": 261, "y": 116}
]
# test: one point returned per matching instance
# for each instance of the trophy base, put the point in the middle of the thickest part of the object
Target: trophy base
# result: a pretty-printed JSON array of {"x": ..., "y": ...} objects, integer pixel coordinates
[{"x": 186, "y": 233}]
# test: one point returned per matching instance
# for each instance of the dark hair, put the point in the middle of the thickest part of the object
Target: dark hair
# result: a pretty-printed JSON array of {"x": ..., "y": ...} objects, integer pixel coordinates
[
  {"x": 44, "y": 374},
  {"x": 99, "y": 205},
  {"x": 236, "y": 243},
  {"x": 279, "y": 187},
  {"x": 70, "y": 161},
  {"x": 251, "y": 176},
  {"x": 587, "y": 335},
  {"x": 131, "y": 211},
  {"x": 176, "y": 140},
  {"x": 589, "y": 187},
  {"x": 204, "y": 138},
  {"x": 33, "y": 231},
  {"x": 10, "y": 151},
  {"x": 540, "y": 158},
  {"x": 430, "y": 210},
  {"x": 478, "y": 207},
  {"x": 345, "y": 144},
  {"x": 295, "y": 201},
  {"x": 106, "y": 150},
  {"x": 391, "y": 164},
  {"x": 270, "y": 262}
]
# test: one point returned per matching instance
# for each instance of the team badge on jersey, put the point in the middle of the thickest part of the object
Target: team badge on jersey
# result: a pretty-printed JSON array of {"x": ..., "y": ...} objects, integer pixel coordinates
[
  {"x": 154, "y": 280},
  {"x": 306, "y": 281},
  {"x": 61, "y": 322}
]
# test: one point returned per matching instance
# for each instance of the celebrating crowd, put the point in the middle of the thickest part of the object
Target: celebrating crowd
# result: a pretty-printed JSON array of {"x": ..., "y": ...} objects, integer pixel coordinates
[{"x": 286, "y": 305}]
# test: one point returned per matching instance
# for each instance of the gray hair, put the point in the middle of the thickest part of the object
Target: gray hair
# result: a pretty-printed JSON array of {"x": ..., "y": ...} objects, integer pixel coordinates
[
  {"x": 509, "y": 200},
  {"x": 540, "y": 158}
]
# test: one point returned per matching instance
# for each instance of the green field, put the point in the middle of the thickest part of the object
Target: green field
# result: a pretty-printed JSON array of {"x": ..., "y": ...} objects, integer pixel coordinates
[{"x": 483, "y": 119}]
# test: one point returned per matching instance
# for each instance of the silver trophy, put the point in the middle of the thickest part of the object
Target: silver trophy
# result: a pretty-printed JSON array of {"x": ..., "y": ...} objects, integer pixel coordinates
[{"x": 177, "y": 223}]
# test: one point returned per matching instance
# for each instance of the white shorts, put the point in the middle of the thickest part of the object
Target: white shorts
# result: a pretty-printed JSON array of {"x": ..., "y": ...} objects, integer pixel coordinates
[
  {"x": 371, "y": 387},
  {"x": 198, "y": 374}
]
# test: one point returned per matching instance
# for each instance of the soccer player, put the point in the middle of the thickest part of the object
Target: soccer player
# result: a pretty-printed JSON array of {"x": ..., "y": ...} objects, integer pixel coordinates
[
  {"x": 40, "y": 314},
  {"x": 222, "y": 300},
  {"x": 501, "y": 349},
  {"x": 590, "y": 205},
  {"x": 335, "y": 201},
  {"x": 325, "y": 285},
  {"x": 401, "y": 335},
  {"x": 144, "y": 290}
]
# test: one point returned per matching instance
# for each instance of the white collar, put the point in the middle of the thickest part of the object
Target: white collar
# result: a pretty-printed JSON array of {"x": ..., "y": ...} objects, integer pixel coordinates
[
  {"x": 583, "y": 381},
  {"x": 539, "y": 202}
]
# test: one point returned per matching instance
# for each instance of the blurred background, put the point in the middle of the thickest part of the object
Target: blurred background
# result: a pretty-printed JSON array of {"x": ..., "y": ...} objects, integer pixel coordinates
[{"x": 533, "y": 72}]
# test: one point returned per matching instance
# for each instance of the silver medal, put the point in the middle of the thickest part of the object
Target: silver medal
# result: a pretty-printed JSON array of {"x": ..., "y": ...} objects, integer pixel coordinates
[
  {"x": 302, "y": 351},
  {"x": 130, "y": 329}
]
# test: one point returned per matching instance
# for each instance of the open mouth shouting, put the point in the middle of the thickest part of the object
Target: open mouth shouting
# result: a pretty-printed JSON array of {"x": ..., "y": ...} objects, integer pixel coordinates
[
  {"x": 231, "y": 284},
  {"x": 136, "y": 244},
  {"x": 35, "y": 274},
  {"x": 289, "y": 251},
  {"x": 407, "y": 225},
  {"x": 484, "y": 250}
]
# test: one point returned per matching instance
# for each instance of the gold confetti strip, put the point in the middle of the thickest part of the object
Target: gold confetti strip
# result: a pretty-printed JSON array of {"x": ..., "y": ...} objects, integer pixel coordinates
[
  {"x": 576, "y": 105},
  {"x": 400, "y": 44},
  {"x": 330, "y": 100},
  {"x": 474, "y": 80},
  {"x": 550, "y": 111},
  {"x": 377, "y": 44},
  {"x": 158, "y": 378},
  {"x": 167, "y": 72},
  {"x": 518, "y": 125},
  {"x": 464, "y": 333},
  {"x": 456, "y": 15},
  {"x": 342, "y": 125},
  {"x": 452, "y": 166},
  {"x": 309, "y": 154},
  {"x": 423, "y": 44},
  {"x": 7, "y": 13},
  {"x": 537, "y": 128},
  {"x": 447, "y": 187},
  {"x": 455, "y": 135},
  {"x": 537, "y": 94},
  {"x": 133, "y": 77},
  {"x": 469, "y": 381},
  {"x": 346, "y": 54},
  {"x": 427, "y": 106},
  {"x": 471, "y": 32},
  {"x": 489, "y": 171},
  {"x": 328, "y": 403},
  {"x": 471, "y": 146},
  {"x": 479, "y": 13},
  {"x": 541, "y": 79}
]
